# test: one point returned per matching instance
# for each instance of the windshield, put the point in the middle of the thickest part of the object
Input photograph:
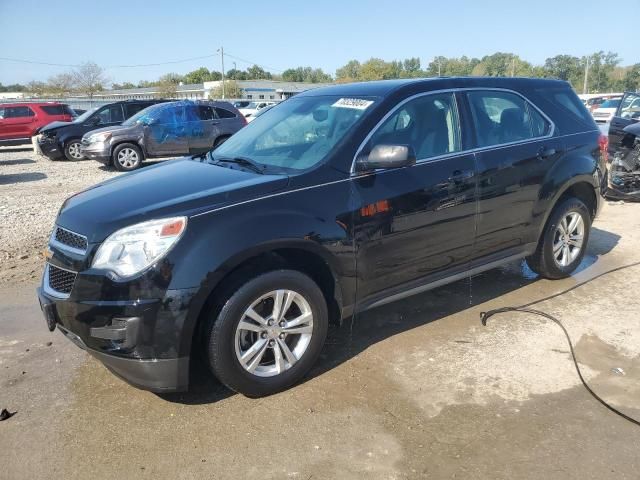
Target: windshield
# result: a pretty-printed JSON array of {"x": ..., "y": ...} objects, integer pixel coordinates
[
  {"x": 611, "y": 103},
  {"x": 85, "y": 115},
  {"x": 298, "y": 133},
  {"x": 140, "y": 117}
]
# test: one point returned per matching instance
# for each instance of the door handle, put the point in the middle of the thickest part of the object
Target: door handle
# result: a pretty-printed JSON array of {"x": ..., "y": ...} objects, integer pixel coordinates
[
  {"x": 546, "y": 152},
  {"x": 460, "y": 176}
]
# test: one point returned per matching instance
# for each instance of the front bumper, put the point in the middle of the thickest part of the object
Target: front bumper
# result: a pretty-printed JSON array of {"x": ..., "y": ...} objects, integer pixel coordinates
[
  {"x": 138, "y": 340},
  {"x": 49, "y": 147},
  {"x": 100, "y": 151}
]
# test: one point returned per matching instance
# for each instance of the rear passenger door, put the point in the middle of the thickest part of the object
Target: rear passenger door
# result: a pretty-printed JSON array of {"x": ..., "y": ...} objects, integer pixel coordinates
[
  {"x": 202, "y": 129},
  {"x": 515, "y": 148}
]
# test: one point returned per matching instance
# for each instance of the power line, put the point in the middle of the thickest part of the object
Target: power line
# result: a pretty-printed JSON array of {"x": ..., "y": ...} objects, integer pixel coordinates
[{"x": 170, "y": 62}]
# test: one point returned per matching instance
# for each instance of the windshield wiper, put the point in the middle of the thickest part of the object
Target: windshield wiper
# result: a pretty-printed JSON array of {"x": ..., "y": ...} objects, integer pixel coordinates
[{"x": 244, "y": 162}]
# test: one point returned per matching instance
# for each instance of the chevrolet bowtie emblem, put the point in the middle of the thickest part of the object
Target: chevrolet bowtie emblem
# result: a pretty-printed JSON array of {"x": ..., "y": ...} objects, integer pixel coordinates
[{"x": 47, "y": 254}]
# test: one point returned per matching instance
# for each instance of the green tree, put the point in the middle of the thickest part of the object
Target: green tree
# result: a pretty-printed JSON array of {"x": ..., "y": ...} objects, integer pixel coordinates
[
  {"x": 632, "y": 78},
  {"x": 349, "y": 72},
  {"x": 563, "y": 67},
  {"x": 306, "y": 74},
  {"x": 199, "y": 75},
  {"x": 256, "y": 72}
]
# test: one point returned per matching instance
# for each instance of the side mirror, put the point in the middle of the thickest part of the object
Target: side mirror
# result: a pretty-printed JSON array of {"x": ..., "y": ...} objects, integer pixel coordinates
[{"x": 387, "y": 156}]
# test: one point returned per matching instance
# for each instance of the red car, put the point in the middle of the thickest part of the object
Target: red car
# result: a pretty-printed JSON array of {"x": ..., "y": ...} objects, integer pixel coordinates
[{"x": 20, "y": 121}]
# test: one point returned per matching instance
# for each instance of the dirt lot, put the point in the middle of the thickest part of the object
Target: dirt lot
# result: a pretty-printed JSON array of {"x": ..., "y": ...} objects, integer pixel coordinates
[{"x": 416, "y": 389}]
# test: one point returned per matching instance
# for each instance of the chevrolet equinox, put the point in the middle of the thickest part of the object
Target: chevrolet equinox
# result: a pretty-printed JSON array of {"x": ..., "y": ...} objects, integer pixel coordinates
[{"x": 336, "y": 201}]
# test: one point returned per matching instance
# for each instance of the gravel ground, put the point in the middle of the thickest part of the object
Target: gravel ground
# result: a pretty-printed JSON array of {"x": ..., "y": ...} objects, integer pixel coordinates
[{"x": 32, "y": 188}]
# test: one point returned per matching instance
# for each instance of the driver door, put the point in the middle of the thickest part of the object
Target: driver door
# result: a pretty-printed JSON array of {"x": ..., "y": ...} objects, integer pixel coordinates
[{"x": 416, "y": 223}]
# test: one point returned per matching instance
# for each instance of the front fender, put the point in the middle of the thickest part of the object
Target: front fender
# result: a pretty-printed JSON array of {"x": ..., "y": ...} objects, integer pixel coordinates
[{"x": 219, "y": 243}]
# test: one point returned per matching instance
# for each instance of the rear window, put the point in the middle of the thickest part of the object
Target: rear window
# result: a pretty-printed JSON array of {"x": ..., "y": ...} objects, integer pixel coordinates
[
  {"x": 565, "y": 108},
  {"x": 222, "y": 113},
  {"x": 56, "y": 110}
]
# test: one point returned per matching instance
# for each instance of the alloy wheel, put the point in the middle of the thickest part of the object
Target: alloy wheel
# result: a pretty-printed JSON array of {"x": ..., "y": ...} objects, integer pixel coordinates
[
  {"x": 274, "y": 333},
  {"x": 568, "y": 239},
  {"x": 74, "y": 150},
  {"x": 128, "y": 157}
]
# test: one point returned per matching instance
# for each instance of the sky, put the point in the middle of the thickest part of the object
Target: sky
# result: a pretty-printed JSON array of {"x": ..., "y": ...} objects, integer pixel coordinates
[{"x": 281, "y": 34}]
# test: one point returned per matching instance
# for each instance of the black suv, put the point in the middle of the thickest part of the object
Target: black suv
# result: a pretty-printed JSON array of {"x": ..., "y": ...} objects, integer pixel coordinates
[
  {"x": 338, "y": 200},
  {"x": 60, "y": 140},
  {"x": 174, "y": 128}
]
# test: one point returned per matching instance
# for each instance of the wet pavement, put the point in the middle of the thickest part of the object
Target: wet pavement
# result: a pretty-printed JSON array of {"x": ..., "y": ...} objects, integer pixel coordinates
[{"x": 415, "y": 389}]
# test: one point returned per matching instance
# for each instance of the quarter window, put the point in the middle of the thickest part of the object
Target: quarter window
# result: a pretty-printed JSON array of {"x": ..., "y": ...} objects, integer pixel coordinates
[
  {"x": 428, "y": 123},
  {"x": 502, "y": 117},
  {"x": 111, "y": 114}
]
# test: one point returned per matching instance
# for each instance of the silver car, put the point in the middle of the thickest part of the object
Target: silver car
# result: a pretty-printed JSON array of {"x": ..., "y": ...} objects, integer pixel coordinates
[{"x": 166, "y": 129}]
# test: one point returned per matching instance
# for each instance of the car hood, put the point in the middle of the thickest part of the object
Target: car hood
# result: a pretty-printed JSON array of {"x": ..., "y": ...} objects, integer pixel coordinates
[
  {"x": 53, "y": 126},
  {"x": 176, "y": 187}
]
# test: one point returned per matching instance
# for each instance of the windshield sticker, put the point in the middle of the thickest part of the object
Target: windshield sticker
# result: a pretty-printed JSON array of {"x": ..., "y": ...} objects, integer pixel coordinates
[{"x": 357, "y": 103}]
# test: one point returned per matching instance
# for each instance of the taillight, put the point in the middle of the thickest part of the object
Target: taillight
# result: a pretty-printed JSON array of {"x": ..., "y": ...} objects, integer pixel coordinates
[
  {"x": 603, "y": 142},
  {"x": 244, "y": 120}
]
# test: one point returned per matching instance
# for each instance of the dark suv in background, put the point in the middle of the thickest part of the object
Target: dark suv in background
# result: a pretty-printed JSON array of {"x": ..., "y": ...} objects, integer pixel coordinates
[
  {"x": 335, "y": 201},
  {"x": 60, "y": 140},
  {"x": 173, "y": 128}
]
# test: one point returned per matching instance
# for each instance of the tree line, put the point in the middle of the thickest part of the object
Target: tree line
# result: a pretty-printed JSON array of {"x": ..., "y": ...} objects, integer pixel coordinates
[{"x": 603, "y": 70}]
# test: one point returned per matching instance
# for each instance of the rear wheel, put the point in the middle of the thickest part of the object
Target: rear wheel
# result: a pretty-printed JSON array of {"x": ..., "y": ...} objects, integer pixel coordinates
[
  {"x": 564, "y": 240},
  {"x": 72, "y": 150},
  {"x": 127, "y": 157},
  {"x": 268, "y": 334}
]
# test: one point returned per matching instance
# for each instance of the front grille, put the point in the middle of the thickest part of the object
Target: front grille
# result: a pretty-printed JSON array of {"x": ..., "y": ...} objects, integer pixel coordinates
[
  {"x": 61, "y": 280},
  {"x": 70, "y": 239}
]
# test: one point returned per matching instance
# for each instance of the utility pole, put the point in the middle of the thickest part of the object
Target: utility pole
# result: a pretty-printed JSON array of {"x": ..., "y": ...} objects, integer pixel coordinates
[
  {"x": 221, "y": 50},
  {"x": 586, "y": 76}
]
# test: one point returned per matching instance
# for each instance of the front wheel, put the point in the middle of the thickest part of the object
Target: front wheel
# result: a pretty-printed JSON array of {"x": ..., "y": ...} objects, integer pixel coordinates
[
  {"x": 564, "y": 240},
  {"x": 127, "y": 157},
  {"x": 72, "y": 150},
  {"x": 268, "y": 334}
]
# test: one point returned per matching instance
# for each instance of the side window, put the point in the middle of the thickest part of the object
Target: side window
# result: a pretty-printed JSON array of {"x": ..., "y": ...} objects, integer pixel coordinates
[
  {"x": 18, "y": 112},
  {"x": 206, "y": 112},
  {"x": 132, "y": 109},
  {"x": 2, "y": 113},
  {"x": 111, "y": 114},
  {"x": 630, "y": 106},
  {"x": 166, "y": 116},
  {"x": 222, "y": 113},
  {"x": 502, "y": 117},
  {"x": 428, "y": 123}
]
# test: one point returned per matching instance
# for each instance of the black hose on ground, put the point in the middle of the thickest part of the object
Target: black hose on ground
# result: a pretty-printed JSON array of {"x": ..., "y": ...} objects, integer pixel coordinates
[{"x": 484, "y": 316}]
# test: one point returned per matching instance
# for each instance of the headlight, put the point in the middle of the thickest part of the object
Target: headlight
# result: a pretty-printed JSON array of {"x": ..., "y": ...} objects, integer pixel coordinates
[
  {"x": 130, "y": 250},
  {"x": 99, "y": 137}
]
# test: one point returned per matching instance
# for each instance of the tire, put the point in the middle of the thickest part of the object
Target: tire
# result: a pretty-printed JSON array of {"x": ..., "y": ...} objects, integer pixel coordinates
[
  {"x": 127, "y": 157},
  {"x": 72, "y": 150},
  {"x": 226, "y": 342},
  {"x": 568, "y": 254},
  {"x": 220, "y": 140}
]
